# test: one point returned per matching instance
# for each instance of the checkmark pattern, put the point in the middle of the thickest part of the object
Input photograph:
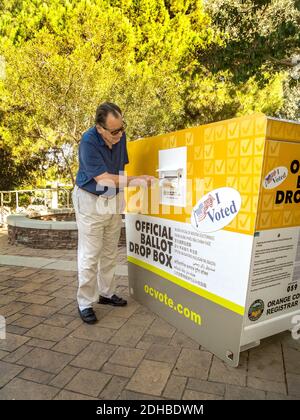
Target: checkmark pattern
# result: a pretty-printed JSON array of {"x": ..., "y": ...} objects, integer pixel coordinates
[
  {"x": 233, "y": 149},
  {"x": 238, "y": 162},
  {"x": 209, "y": 151},
  {"x": 233, "y": 153},
  {"x": 246, "y": 147},
  {"x": 173, "y": 141},
  {"x": 259, "y": 143},
  {"x": 198, "y": 152},
  {"x": 165, "y": 143},
  {"x": 245, "y": 184},
  {"x": 279, "y": 153},
  {"x": 274, "y": 148},
  {"x": 189, "y": 138},
  {"x": 247, "y": 202},
  {"x": 287, "y": 217},
  {"x": 233, "y": 130},
  {"x": 233, "y": 157},
  {"x": 279, "y": 130},
  {"x": 277, "y": 219},
  {"x": 190, "y": 169}
]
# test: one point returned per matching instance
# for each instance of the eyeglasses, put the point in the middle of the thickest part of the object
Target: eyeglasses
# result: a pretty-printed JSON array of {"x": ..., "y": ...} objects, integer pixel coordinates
[{"x": 115, "y": 132}]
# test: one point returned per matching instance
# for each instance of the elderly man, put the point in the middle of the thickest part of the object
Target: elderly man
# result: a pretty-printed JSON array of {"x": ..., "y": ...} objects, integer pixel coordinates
[{"x": 99, "y": 201}]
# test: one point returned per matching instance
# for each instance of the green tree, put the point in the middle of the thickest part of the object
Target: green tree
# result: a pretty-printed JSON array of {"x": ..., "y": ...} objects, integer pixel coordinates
[
  {"x": 260, "y": 51},
  {"x": 167, "y": 63},
  {"x": 16, "y": 173},
  {"x": 64, "y": 57}
]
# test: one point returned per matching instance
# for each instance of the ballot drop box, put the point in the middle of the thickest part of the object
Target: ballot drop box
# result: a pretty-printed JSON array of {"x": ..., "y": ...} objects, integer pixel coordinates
[{"x": 214, "y": 245}]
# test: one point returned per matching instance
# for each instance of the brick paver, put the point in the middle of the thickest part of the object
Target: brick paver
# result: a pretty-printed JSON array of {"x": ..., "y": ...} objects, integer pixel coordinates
[
  {"x": 129, "y": 354},
  {"x": 150, "y": 377}
]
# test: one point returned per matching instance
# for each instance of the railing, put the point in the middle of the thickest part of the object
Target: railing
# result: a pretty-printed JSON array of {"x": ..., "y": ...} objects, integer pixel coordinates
[{"x": 18, "y": 200}]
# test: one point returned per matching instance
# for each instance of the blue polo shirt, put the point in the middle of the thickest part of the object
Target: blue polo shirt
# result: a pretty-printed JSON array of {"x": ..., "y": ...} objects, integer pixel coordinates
[{"x": 95, "y": 158}]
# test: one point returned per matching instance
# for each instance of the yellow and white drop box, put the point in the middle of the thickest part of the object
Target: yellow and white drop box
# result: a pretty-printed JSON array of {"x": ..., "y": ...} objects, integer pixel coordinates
[{"x": 214, "y": 246}]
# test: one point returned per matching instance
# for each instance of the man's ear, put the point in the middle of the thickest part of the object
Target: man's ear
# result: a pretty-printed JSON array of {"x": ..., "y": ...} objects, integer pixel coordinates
[{"x": 98, "y": 128}]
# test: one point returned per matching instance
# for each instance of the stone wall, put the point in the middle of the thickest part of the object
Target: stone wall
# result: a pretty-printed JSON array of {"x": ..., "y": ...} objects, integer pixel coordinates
[{"x": 48, "y": 238}]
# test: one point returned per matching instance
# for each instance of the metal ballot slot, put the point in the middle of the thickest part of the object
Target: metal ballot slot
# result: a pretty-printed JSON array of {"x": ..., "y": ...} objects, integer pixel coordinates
[
  {"x": 171, "y": 173},
  {"x": 170, "y": 182}
]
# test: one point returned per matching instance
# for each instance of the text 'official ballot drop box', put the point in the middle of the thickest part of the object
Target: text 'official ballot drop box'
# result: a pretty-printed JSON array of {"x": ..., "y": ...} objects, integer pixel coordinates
[{"x": 214, "y": 247}]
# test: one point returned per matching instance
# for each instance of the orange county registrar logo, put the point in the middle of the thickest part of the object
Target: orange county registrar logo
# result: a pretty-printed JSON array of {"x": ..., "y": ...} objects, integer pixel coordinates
[{"x": 256, "y": 310}]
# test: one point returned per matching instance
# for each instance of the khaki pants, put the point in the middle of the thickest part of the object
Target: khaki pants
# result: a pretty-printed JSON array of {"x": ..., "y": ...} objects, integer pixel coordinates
[{"x": 99, "y": 223}]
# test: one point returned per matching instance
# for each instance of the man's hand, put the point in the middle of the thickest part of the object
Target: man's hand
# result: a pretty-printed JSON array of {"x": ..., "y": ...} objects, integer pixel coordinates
[
  {"x": 142, "y": 181},
  {"x": 115, "y": 181}
]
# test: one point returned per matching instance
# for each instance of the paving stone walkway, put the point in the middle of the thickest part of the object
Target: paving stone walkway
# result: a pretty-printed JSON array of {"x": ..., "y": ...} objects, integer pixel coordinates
[{"x": 129, "y": 354}]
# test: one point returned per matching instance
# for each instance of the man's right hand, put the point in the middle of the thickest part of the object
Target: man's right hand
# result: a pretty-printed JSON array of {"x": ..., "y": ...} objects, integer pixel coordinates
[
  {"x": 142, "y": 181},
  {"x": 115, "y": 181}
]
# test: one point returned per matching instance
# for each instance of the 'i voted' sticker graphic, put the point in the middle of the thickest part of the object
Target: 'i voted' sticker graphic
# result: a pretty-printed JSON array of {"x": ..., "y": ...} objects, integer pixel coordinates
[
  {"x": 275, "y": 177},
  {"x": 216, "y": 209}
]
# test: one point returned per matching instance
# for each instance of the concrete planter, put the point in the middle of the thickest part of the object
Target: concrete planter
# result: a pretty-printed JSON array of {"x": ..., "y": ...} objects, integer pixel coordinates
[{"x": 42, "y": 234}]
